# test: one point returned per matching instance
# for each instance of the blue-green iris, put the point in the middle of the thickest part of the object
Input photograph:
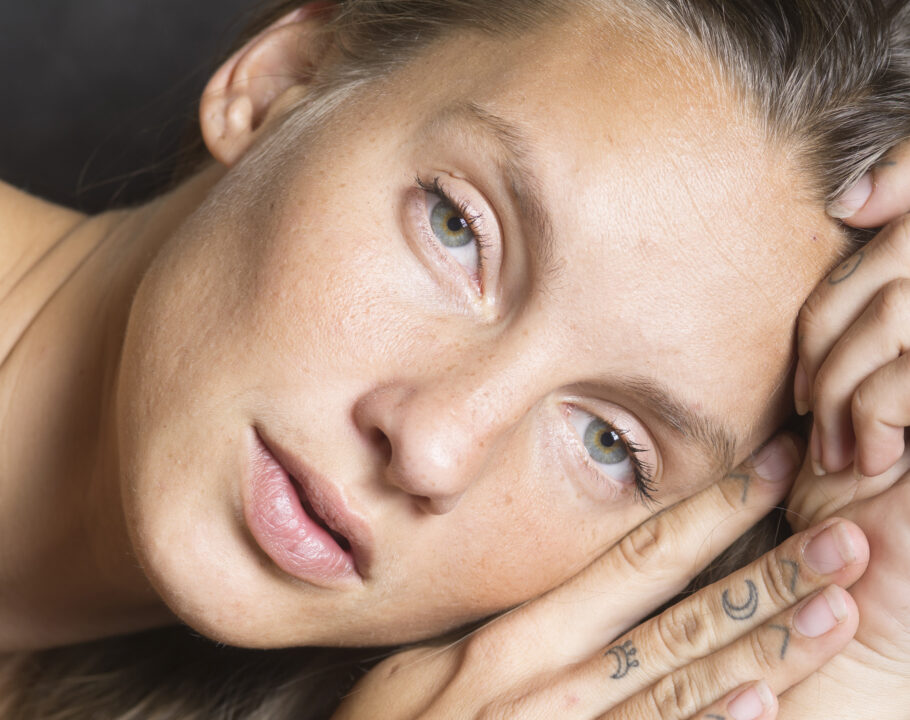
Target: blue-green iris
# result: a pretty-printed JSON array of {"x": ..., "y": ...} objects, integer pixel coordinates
[
  {"x": 604, "y": 444},
  {"x": 450, "y": 227}
]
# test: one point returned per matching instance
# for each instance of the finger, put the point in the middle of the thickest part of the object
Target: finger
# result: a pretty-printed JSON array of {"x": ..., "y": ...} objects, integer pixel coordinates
[
  {"x": 813, "y": 499},
  {"x": 755, "y": 701},
  {"x": 888, "y": 195},
  {"x": 642, "y": 571},
  {"x": 880, "y": 412},
  {"x": 877, "y": 338},
  {"x": 838, "y": 301},
  {"x": 835, "y": 552},
  {"x": 783, "y": 652}
]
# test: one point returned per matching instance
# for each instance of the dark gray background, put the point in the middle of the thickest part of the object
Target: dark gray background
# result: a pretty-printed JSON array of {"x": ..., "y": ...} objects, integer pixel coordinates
[{"x": 95, "y": 95}]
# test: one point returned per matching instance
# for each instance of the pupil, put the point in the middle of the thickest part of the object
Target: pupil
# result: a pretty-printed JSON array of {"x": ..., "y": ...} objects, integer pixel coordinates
[
  {"x": 607, "y": 439},
  {"x": 455, "y": 224}
]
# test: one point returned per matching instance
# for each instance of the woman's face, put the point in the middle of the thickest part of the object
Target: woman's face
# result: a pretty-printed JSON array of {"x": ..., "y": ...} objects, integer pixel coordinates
[{"x": 469, "y": 390}]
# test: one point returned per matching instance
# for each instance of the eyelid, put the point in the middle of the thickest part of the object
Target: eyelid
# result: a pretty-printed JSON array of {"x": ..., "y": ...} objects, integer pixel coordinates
[{"x": 484, "y": 290}]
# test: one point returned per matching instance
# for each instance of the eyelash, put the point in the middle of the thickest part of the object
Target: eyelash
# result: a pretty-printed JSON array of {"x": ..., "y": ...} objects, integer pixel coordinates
[
  {"x": 475, "y": 220},
  {"x": 643, "y": 472}
]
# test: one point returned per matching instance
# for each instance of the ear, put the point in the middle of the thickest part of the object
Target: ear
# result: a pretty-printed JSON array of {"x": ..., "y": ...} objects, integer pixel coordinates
[{"x": 264, "y": 76}]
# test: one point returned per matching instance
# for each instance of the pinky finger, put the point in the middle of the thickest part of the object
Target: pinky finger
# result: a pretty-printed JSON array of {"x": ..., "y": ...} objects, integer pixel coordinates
[
  {"x": 749, "y": 702},
  {"x": 881, "y": 410}
]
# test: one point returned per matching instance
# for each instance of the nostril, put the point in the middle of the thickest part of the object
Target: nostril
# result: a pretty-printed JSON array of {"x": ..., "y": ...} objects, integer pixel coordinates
[{"x": 382, "y": 443}]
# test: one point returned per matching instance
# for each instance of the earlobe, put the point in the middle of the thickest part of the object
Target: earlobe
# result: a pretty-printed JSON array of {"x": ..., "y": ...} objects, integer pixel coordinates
[{"x": 251, "y": 86}]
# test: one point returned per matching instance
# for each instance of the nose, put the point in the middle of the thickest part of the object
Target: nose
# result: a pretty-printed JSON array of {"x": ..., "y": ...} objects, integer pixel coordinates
[{"x": 434, "y": 441}]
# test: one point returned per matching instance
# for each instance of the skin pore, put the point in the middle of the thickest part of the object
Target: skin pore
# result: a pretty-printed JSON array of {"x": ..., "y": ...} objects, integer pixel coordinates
[{"x": 304, "y": 296}]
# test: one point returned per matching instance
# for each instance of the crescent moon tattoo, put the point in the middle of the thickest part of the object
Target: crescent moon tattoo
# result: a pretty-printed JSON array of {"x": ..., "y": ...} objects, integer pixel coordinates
[
  {"x": 846, "y": 269},
  {"x": 747, "y": 609},
  {"x": 625, "y": 661}
]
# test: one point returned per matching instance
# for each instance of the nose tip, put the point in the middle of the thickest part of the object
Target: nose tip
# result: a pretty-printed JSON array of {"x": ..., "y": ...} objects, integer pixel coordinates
[{"x": 426, "y": 448}]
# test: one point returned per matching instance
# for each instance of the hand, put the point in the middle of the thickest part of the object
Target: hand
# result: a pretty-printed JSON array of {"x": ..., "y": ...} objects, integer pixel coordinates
[
  {"x": 565, "y": 655},
  {"x": 853, "y": 332},
  {"x": 869, "y": 678}
]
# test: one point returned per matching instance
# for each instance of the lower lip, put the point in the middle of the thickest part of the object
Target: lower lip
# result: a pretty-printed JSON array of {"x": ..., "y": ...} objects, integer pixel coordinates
[{"x": 283, "y": 529}]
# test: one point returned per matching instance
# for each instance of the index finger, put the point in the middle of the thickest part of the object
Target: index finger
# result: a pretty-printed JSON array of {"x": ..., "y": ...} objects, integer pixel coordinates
[
  {"x": 882, "y": 195},
  {"x": 644, "y": 569}
]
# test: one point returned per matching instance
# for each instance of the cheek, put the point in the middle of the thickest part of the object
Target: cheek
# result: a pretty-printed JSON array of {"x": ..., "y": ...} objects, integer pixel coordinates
[{"x": 529, "y": 530}]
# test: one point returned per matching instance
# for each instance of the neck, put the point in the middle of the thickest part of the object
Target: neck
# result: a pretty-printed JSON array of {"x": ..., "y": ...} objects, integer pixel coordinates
[{"x": 67, "y": 571}]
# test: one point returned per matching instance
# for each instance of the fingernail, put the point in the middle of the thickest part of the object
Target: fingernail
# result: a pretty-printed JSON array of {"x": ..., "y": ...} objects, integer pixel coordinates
[
  {"x": 776, "y": 461},
  {"x": 821, "y": 613},
  {"x": 815, "y": 451},
  {"x": 830, "y": 550},
  {"x": 752, "y": 703},
  {"x": 853, "y": 200},
  {"x": 801, "y": 389}
]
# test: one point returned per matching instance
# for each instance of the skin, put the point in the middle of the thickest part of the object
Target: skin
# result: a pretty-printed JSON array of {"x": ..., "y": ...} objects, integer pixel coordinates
[{"x": 290, "y": 295}]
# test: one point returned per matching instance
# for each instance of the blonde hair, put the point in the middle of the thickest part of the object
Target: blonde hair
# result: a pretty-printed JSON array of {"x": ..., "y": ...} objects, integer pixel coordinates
[{"x": 829, "y": 77}]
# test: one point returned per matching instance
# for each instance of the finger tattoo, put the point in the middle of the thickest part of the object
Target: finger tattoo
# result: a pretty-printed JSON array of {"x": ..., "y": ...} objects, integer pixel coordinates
[
  {"x": 745, "y": 610},
  {"x": 625, "y": 659},
  {"x": 795, "y": 573},
  {"x": 786, "y": 632},
  {"x": 712, "y": 716},
  {"x": 846, "y": 270},
  {"x": 745, "y": 479}
]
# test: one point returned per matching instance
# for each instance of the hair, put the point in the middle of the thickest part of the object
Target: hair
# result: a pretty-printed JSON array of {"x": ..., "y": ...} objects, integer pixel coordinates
[{"x": 828, "y": 79}]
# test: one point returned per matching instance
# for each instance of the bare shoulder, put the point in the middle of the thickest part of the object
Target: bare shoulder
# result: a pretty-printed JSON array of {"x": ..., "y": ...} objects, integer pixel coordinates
[{"x": 28, "y": 227}]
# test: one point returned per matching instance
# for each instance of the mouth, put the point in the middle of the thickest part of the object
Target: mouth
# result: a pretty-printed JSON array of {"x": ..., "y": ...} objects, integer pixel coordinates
[
  {"x": 302, "y": 521},
  {"x": 342, "y": 541}
]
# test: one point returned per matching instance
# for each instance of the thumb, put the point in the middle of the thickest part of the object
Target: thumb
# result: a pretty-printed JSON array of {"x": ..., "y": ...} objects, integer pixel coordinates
[{"x": 881, "y": 195}]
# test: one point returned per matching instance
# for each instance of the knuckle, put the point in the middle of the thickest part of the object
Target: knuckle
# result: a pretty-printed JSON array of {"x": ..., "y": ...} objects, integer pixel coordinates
[
  {"x": 896, "y": 239},
  {"x": 647, "y": 546},
  {"x": 862, "y": 405},
  {"x": 812, "y": 314},
  {"x": 764, "y": 654},
  {"x": 483, "y": 650},
  {"x": 674, "y": 695},
  {"x": 777, "y": 581},
  {"x": 683, "y": 630},
  {"x": 892, "y": 301},
  {"x": 900, "y": 232}
]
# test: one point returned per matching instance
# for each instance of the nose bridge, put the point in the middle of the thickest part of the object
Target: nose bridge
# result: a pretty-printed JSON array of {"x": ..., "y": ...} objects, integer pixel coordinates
[{"x": 442, "y": 426}]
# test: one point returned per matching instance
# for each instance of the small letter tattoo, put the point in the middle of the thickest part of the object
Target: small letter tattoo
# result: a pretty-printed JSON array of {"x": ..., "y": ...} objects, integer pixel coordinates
[
  {"x": 786, "y": 632},
  {"x": 625, "y": 659},
  {"x": 846, "y": 270},
  {"x": 712, "y": 716},
  {"x": 795, "y": 576},
  {"x": 745, "y": 480},
  {"x": 747, "y": 609}
]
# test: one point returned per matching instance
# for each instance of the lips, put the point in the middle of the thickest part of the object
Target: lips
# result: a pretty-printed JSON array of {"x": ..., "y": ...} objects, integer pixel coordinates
[{"x": 301, "y": 521}]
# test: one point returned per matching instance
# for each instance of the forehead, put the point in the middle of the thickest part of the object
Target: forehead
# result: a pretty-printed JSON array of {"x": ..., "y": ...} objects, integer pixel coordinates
[{"x": 684, "y": 245}]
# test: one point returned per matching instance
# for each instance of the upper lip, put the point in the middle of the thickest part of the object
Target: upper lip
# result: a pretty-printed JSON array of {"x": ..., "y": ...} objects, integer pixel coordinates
[{"x": 329, "y": 504}]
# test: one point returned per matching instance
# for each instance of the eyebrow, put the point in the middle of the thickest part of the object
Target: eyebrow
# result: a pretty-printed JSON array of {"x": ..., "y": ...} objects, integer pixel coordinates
[
  {"x": 514, "y": 163},
  {"x": 718, "y": 442}
]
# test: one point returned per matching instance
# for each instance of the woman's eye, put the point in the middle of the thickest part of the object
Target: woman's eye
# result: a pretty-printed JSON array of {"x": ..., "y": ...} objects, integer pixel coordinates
[
  {"x": 605, "y": 446},
  {"x": 454, "y": 232}
]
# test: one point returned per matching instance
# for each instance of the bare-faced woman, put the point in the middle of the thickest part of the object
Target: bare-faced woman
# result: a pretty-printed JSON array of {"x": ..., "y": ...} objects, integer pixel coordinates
[{"x": 444, "y": 321}]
